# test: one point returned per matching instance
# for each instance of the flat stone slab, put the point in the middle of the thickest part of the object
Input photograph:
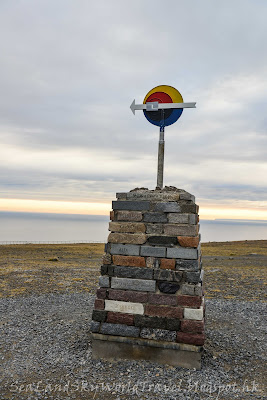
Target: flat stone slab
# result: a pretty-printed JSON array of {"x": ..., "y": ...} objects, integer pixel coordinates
[
  {"x": 131, "y": 205},
  {"x": 110, "y": 350},
  {"x": 124, "y": 307},
  {"x": 124, "y": 249},
  {"x": 141, "y": 285}
]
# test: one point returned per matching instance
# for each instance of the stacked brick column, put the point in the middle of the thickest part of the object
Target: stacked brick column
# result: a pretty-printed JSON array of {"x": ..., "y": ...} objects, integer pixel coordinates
[{"x": 150, "y": 304}]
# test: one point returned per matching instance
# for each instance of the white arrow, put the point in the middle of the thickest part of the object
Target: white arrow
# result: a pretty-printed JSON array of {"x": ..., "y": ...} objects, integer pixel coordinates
[{"x": 155, "y": 106}]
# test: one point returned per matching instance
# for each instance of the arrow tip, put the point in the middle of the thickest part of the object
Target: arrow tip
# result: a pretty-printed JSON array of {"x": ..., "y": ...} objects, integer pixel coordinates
[{"x": 132, "y": 107}]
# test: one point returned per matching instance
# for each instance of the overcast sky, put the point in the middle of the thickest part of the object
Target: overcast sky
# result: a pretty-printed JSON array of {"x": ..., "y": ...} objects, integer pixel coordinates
[{"x": 69, "y": 71}]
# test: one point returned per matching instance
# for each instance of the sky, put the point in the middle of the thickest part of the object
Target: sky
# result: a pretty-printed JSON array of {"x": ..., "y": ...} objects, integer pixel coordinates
[{"x": 70, "y": 70}]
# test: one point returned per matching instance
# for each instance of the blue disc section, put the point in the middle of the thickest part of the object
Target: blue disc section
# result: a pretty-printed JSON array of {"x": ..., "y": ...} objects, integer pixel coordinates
[{"x": 171, "y": 119}]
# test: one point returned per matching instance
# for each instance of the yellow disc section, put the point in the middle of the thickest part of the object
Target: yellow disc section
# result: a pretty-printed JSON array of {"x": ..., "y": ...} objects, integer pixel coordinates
[{"x": 171, "y": 91}]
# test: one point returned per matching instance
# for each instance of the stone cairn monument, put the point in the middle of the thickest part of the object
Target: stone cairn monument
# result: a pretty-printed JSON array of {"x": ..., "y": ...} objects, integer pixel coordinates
[{"x": 150, "y": 304}]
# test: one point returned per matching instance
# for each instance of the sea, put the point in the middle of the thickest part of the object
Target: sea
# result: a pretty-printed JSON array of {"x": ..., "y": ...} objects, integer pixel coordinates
[{"x": 49, "y": 228}]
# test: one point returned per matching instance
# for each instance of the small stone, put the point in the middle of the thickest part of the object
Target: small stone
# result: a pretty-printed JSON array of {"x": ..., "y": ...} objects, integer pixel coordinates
[{"x": 168, "y": 287}]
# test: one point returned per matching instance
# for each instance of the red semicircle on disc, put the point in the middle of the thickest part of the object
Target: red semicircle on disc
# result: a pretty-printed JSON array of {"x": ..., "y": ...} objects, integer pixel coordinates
[{"x": 160, "y": 97}]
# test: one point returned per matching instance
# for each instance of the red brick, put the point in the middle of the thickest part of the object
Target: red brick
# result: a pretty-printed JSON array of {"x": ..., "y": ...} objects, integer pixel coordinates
[
  {"x": 128, "y": 295},
  {"x": 188, "y": 241},
  {"x": 129, "y": 261},
  {"x": 191, "y": 338},
  {"x": 188, "y": 325},
  {"x": 163, "y": 299},
  {"x": 112, "y": 215},
  {"x": 120, "y": 318},
  {"x": 167, "y": 263},
  {"x": 163, "y": 311},
  {"x": 189, "y": 301},
  {"x": 101, "y": 293},
  {"x": 99, "y": 304}
]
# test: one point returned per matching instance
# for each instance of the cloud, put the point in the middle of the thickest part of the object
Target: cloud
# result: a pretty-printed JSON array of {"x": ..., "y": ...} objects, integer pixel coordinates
[{"x": 70, "y": 70}]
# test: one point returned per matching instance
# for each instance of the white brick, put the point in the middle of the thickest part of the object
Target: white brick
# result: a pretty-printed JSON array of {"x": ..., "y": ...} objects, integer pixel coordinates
[
  {"x": 124, "y": 307},
  {"x": 193, "y": 313}
]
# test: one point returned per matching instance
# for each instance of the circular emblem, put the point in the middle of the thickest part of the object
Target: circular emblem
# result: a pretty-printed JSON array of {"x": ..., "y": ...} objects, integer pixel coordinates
[{"x": 163, "y": 94}]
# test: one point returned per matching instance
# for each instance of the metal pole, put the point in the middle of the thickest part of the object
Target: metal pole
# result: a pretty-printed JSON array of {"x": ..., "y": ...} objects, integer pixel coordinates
[{"x": 161, "y": 158}]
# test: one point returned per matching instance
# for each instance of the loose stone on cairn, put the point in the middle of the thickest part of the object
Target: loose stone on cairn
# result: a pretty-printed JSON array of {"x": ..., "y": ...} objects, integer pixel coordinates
[{"x": 150, "y": 304}]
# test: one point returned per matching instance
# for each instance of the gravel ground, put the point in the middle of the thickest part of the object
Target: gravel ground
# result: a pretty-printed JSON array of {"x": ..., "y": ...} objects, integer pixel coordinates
[{"x": 46, "y": 354}]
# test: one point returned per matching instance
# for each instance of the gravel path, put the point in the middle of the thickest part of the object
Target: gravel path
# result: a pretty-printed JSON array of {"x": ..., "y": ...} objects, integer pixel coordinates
[{"x": 46, "y": 339}]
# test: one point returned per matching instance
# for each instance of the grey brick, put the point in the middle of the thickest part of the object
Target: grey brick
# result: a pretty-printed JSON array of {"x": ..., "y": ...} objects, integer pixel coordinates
[
  {"x": 119, "y": 330},
  {"x": 149, "y": 322},
  {"x": 133, "y": 272},
  {"x": 149, "y": 251},
  {"x": 168, "y": 275},
  {"x": 187, "y": 196},
  {"x": 182, "y": 252},
  {"x": 140, "y": 285},
  {"x": 94, "y": 327},
  {"x": 167, "y": 241},
  {"x": 99, "y": 315},
  {"x": 181, "y": 230},
  {"x": 193, "y": 219},
  {"x": 167, "y": 207},
  {"x": 192, "y": 277},
  {"x": 188, "y": 265},
  {"x": 104, "y": 281},
  {"x": 158, "y": 334},
  {"x": 154, "y": 228},
  {"x": 189, "y": 208},
  {"x": 125, "y": 249},
  {"x": 198, "y": 290},
  {"x": 131, "y": 205},
  {"x": 188, "y": 289},
  {"x": 155, "y": 217},
  {"x": 154, "y": 195},
  {"x": 175, "y": 218}
]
